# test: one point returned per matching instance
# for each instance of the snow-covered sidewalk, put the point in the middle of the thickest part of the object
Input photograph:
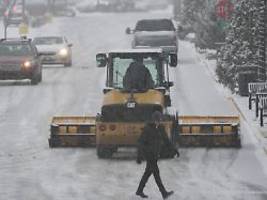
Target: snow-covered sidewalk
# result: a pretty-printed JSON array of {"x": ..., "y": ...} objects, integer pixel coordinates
[
  {"x": 240, "y": 103},
  {"x": 250, "y": 119}
]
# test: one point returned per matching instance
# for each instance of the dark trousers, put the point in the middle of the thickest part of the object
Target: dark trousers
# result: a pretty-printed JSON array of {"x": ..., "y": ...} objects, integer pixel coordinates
[{"x": 151, "y": 168}]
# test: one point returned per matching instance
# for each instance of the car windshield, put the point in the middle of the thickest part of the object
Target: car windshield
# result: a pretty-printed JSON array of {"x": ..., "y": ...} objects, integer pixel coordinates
[
  {"x": 47, "y": 40},
  {"x": 155, "y": 25},
  {"x": 15, "y": 50},
  {"x": 121, "y": 63}
]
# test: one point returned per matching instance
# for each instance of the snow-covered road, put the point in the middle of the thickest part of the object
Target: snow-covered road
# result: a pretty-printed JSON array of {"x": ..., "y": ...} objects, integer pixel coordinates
[{"x": 29, "y": 170}]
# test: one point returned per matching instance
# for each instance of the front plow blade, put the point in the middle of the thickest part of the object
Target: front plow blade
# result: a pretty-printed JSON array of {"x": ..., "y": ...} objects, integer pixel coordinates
[
  {"x": 209, "y": 131},
  {"x": 72, "y": 132}
]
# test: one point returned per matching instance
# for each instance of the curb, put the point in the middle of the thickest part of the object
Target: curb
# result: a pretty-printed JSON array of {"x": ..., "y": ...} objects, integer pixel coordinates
[
  {"x": 254, "y": 130},
  {"x": 251, "y": 129}
]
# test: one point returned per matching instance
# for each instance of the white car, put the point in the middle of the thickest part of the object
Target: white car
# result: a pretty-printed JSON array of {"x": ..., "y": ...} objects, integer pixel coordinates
[{"x": 54, "y": 50}]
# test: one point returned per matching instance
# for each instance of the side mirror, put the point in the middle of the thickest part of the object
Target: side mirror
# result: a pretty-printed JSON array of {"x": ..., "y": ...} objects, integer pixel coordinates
[
  {"x": 106, "y": 90},
  {"x": 101, "y": 60},
  {"x": 173, "y": 60},
  {"x": 70, "y": 45},
  {"x": 168, "y": 84},
  {"x": 39, "y": 54},
  {"x": 128, "y": 31}
]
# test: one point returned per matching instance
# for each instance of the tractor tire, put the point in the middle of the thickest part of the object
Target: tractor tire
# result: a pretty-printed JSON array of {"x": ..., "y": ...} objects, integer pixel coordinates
[{"x": 104, "y": 152}]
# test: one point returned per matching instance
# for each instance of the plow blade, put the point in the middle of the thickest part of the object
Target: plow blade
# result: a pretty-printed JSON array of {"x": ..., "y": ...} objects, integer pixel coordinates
[
  {"x": 72, "y": 132},
  {"x": 209, "y": 131}
]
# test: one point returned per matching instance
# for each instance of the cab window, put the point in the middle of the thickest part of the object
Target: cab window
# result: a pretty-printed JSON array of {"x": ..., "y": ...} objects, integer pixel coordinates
[{"x": 121, "y": 63}]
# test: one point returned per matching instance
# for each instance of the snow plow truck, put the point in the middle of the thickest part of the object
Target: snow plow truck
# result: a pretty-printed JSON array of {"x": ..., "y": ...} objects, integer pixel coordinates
[{"x": 124, "y": 112}]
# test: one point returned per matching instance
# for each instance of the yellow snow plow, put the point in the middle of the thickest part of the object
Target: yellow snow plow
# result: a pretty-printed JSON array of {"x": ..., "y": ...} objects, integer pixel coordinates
[
  {"x": 190, "y": 131},
  {"x": 124, "y": 112},
  {"x": 209, "y": 131},
  {"x": 72, "y": 132}
]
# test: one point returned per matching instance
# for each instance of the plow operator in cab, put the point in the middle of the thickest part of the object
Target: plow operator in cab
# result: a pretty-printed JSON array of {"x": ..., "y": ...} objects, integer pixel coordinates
[{"x": 137, "y": 76}]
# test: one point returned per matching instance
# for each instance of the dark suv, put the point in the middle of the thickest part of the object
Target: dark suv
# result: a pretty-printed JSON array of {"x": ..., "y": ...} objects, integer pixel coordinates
[
  {"x": 19, "y": 59},
  {"x": 160, "y": 33}
]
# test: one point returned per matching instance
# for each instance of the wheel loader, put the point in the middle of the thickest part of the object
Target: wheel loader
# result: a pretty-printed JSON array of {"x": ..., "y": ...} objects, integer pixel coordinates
[{"x": 124, "y": 112}]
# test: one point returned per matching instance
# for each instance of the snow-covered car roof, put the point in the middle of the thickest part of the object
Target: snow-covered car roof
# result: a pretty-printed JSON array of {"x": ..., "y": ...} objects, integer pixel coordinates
[
  {"x": 15, "y": 40},
  {"x": 138, "y": 50}
]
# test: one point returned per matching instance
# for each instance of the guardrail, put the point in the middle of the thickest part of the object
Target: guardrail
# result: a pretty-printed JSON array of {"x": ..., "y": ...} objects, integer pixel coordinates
[
  {"x": 258, "y": 95},
  {"x": 253, "y": 89},
  {"x": 263, "y": 109}
]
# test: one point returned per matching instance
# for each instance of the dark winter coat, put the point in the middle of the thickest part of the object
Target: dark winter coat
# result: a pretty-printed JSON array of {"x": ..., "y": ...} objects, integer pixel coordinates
[
  {"x": 151, "y": 142},
  {"x": 137, "y": 77}
]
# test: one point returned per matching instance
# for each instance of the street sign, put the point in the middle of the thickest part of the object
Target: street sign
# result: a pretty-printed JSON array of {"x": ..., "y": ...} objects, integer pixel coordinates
[{"x": 224, "y": 9}]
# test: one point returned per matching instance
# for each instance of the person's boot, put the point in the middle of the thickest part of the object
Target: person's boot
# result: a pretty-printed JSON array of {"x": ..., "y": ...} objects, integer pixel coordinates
[
  {"x": 167, "y": 194},
  {"x": 141, "y": 194}
]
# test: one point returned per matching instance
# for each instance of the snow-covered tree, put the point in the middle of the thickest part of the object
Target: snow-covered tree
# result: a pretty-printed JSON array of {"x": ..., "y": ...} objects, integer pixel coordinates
[
  {"x": 201, "y": 16},
  {"x": 243, "y": 41},
  {"x": 191, "y": 10}
]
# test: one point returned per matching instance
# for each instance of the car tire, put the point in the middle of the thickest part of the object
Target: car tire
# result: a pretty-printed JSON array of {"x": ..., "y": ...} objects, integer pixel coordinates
[
  {"x": 68, "y": 64},
  {"x": 40, "y": 77},
  {"x": 37, "y": 78},
  {"x": 104, "y": 152}
]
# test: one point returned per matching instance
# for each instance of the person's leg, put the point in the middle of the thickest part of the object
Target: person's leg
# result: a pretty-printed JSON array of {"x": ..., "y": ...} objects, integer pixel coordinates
[
  {"x": 145, "y": 177},
  {"x": 157, "y": 178},
  {"x": 165, "y": 194}
]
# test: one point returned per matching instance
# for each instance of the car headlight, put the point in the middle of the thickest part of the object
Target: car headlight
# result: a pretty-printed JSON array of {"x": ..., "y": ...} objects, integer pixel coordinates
[
  {"x": 27, "y": 64},
  {"x": 63, "y": 52}
]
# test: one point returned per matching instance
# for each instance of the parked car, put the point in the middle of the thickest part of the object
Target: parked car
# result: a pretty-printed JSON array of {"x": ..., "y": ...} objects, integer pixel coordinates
[
  {"x": 19, "y": 59},
  {"x": 37, "y": 8},
  {"x": 54, "y": 50},
  {"x": 61, "y": 8},
  {"x": 64, "y": 12},
  {"x": 106, "y": 6},
  {"x": 86, "y": 6},
  {"x": 160, "y": 33}
]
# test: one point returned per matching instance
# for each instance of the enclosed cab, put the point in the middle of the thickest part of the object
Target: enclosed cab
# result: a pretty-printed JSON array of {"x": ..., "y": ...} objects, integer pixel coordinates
[{"x": 124, "y": 111}]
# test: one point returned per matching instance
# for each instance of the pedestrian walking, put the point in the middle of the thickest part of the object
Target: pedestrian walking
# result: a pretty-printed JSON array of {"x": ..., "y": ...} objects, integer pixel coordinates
[{"x": 150, "y": 142}]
